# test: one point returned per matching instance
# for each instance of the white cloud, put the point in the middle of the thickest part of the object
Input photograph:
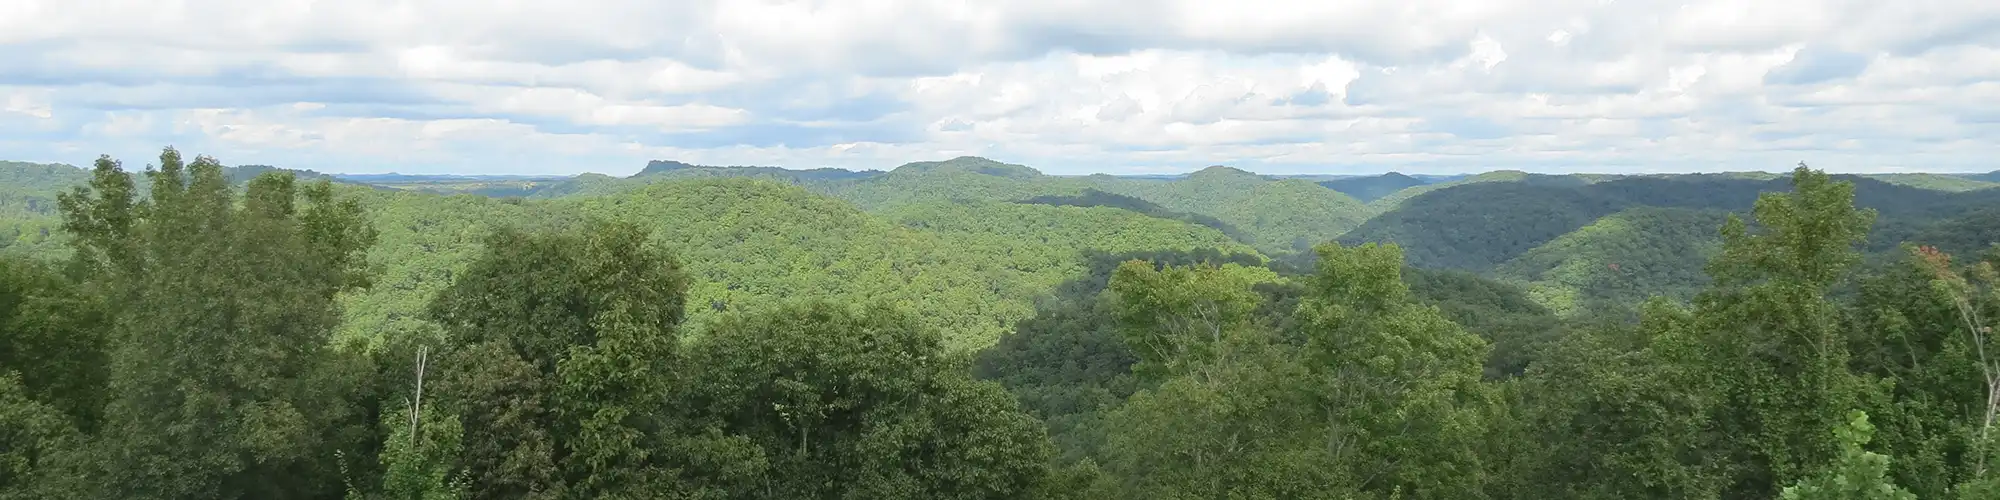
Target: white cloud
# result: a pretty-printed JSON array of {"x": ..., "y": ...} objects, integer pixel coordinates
[
  {"x": 1067, "y": 85},
  {"x": 28, "y": 102}
]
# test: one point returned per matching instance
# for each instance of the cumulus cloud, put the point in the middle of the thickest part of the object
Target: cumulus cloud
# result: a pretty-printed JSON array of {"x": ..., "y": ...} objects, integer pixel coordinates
[{"x": 1071, "y": 86}]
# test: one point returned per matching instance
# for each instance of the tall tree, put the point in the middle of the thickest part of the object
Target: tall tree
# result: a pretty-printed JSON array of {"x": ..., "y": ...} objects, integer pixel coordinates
[
  {"x": 562, "y": 349},
  {"x": 1396, "y": 384},
  {"x": 219, "y": 319},
  {"x": 1775, "y": 338}
]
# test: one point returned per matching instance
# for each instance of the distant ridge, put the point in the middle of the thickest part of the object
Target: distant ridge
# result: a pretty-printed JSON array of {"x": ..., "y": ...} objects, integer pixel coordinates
[
  {"x": 1372, "y": 188},
  {"x": 393, "y": 177},
  {"x": 671, "y": 167},
  {"x": 972, "y": 164}
]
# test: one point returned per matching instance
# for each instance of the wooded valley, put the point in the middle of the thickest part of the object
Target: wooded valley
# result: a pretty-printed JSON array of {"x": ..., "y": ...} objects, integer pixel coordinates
[{"x": 971, "y": 329}]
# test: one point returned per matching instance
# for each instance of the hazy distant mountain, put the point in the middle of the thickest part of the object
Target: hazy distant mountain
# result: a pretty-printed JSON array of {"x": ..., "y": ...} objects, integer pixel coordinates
[
  {"x": 396, "y": 178},
  {"x": 669, "y": 167},
  {"x": 1993, "y": 176},
  {"x": 1374, "y": 187}
]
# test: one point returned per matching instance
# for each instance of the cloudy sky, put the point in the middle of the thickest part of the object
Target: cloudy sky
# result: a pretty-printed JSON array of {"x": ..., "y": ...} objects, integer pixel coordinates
[{"x": 1068, "y": 86}]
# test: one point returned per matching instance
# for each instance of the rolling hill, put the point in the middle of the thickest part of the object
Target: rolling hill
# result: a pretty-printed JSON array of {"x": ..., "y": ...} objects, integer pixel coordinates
[{"x": 1622, "y": 258}]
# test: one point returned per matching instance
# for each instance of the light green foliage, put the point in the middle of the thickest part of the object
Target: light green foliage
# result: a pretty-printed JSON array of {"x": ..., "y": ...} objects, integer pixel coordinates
[
  {"x": 1230, "y": 419},
  {"x": 1041, "y": 245},
  {"x": 425, "y": 242},
  {"x": 29, "y": 222},
  {"x": 1178, "y": 319},
  {"x": 1286, "y": 215},
  {"x": 1397, "y": 384},
  {"x": 1238, "y": 427},
  {"x": 1370, "y": 395},
  {"x": 419, "y": 462},
  {"x": 1620, "y": 259},
  {"x": 1279, "y": 215},
  {"x": 958, "y": 179},
  {"x": 1856, "y": 475},
  {"x": 750, "y": 243}
]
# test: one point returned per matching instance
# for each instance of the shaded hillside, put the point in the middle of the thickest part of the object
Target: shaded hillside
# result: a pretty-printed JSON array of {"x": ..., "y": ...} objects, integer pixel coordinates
[
  {"x": 1993, "y": 176},
  {"x": 1622, "y": 258},
  {"x": 1285, "y": 215},
  {"x": 1476, "y": 226},
  {"x": 1965, "y": 234},
  {"x": 1367, "y": 189},
  {"x": 1095, "y": 198},
  {"x": 1395, "y": 199},
  {"x": 1935, "y": 182}
]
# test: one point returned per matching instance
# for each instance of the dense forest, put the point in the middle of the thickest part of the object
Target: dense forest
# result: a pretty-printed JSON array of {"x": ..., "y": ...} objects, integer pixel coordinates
[{"x": 975, "y": 329}]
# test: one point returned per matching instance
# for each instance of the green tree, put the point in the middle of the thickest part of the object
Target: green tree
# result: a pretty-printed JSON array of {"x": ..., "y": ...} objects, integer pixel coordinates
[
  {"x": 219, "y": 310},
  {"x": 1396, "y": 385},
  {"x": 1774, "y": 337},
  {"x": 31, "y": 433},
  {"x": 562, "y": 351},
  {"x": 845, "y": 402},
  {"x": 52, "y": 335},
  {"x": 1176, "y": 318},
  {"x": 1619, "y": 412},
  {"x": 1856, "y": 474}
]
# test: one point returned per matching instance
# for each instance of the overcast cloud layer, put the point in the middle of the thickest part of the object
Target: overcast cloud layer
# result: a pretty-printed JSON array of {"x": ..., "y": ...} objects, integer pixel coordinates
[{"x": 1068, "y": 86}]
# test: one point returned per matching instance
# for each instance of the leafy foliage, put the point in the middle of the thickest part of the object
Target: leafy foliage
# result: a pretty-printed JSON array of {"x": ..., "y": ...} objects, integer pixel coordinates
[{"x": 696, "y": 334}]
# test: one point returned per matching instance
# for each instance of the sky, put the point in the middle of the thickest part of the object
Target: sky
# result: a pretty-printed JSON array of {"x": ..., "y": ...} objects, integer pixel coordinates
[{"x": 1066, "y": 86}]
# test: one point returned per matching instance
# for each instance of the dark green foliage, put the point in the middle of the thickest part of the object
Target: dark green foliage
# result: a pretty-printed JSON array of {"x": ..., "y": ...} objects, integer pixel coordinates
[
  {"x": 1476, "y": 226},
  {"x": 32, "y": 434},
  {"x": 52, "y": 338},
  {"x": 1518, "y": 328},
  {"x": 843, "y": 402},
  {"x": 1619, "y": 411},
  {"x": 1466, "y": 227},
  {"x": 1067, "y": 364},
  {"x": 560, "y": 349},
  {"x": 1373, "y": 187},
  {"x": 222, "y": 381}
]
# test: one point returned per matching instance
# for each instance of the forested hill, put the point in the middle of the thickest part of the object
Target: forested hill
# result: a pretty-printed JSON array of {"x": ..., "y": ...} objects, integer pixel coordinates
[{"x": 975, "y": 329}]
